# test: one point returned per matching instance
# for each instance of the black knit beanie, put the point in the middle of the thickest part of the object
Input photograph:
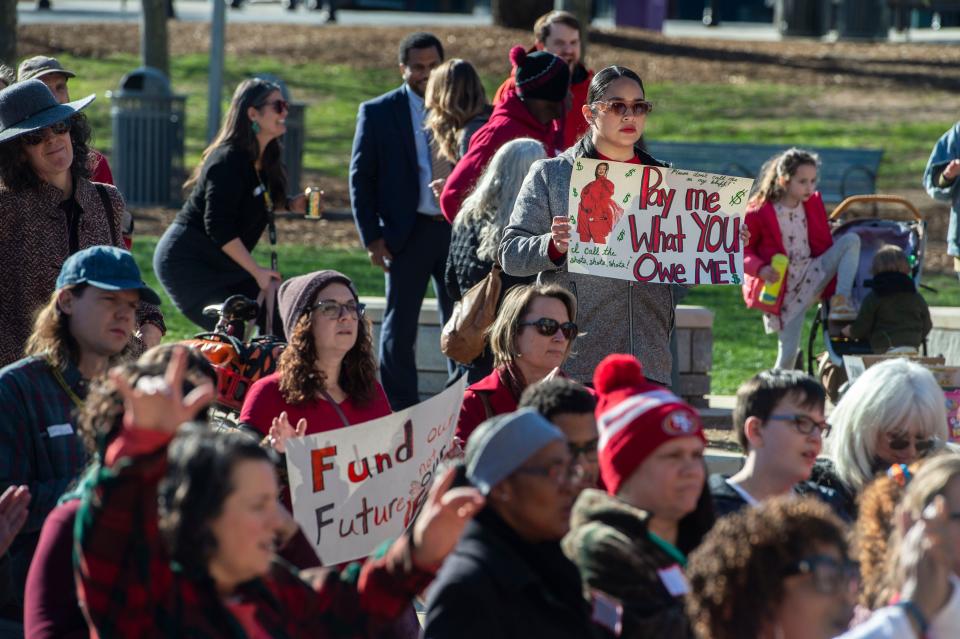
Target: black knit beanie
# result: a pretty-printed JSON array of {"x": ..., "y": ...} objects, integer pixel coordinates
[{"x": 540, "y": 75}]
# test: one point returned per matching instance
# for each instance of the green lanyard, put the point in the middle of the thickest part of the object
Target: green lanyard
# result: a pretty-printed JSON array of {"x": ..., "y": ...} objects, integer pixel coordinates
[{"x": 668, "y": 548}]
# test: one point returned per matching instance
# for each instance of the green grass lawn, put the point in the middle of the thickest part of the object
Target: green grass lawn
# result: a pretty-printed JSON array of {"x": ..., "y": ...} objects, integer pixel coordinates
[{"x": 740, "y": 346}]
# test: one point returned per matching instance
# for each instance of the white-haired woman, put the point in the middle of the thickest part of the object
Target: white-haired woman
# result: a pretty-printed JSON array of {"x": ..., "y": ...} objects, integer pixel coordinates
[
  {"x": 479, "y": 226},
  {"x": 894, "y": 413}
]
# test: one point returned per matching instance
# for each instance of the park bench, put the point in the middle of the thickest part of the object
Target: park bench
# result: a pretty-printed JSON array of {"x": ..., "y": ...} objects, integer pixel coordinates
[{"x": 844, "y": 172}]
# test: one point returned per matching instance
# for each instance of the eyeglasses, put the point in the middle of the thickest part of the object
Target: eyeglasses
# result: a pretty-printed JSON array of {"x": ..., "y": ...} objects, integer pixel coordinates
[
  {"x": 902, "y": 441},
  {"x": 588, "y": 450},
  {"x": 279, "y": 105},
  {"x": 559, "y": 473},
  {"x": 804, "y": 424},
  {"x": 830, "y": 577},
  {"x": 36, "y": 137},
  {"x": 332, "y": 309},
  {"x": 620, "y": 108},
  {"x": 548, "y": 327}
]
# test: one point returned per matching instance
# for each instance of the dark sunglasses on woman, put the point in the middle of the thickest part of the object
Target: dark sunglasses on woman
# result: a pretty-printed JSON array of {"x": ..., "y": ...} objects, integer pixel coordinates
[
  {"x": 619, "y": 107},
  {"x": 548, "y": 327},
  {"x": 36, "y": 137},
  {"x": 899, "y": 441},
  {"x": 279, "y": 105}
]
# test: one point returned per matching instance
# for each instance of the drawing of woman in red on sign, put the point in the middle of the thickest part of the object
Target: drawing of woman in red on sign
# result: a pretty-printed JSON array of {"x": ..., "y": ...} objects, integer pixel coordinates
[{"x": 598, "y": 213}]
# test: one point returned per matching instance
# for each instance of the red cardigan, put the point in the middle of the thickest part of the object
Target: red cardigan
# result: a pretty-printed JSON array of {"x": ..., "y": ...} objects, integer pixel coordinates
[
  {"x": 766, "y": 241},
  {"x": 472, "y": 411}
]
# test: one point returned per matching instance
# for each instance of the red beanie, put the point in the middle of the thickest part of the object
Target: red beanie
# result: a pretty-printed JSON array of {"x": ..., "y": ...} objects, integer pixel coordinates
[{"x": 634, "y": 417}]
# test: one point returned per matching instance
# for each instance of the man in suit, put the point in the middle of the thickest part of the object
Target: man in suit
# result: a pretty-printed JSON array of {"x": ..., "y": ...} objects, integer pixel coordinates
[{"x": 397, "y": 213}]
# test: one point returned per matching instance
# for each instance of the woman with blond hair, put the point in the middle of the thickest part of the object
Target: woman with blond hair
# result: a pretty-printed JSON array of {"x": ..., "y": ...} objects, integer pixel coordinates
[
  {"x": 530, "y": 339},
  {"x": 457, "y": 107},
  {"x": 478, "y": 228},
  {"x": 894, "y": 413}
]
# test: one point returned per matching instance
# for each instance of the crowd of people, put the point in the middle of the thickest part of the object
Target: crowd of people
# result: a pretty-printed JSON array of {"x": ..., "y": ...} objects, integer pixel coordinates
[{"x": 577, "y": 501}]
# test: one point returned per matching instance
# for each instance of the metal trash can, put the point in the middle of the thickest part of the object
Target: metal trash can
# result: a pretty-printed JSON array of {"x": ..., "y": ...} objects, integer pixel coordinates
[
  {"x": 294, "y": 140},
  {"x": 148, "y": 123},
  {"x": 802, "y": 18},
  {"x": 863, "y": 20}
]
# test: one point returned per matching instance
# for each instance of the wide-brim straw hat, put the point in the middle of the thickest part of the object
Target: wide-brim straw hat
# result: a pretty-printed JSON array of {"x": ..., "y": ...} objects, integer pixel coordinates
[{"x": 29, "y": 106}]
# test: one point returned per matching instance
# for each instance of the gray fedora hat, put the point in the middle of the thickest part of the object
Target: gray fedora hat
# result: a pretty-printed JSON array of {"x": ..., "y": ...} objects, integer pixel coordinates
[
  {"x": 40, "y": 65},
  {"x": 30, "y": 106}
]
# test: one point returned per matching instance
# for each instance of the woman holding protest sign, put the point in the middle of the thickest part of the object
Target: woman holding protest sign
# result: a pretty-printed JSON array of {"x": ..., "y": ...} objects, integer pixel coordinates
[
  {"x": 530, "y": 339},
  {"x": 217, "y": 517},
  {"x": 790, "y": 228},
  {"x": 537, "y": 239},
  {"x": 327, "y": 375}
]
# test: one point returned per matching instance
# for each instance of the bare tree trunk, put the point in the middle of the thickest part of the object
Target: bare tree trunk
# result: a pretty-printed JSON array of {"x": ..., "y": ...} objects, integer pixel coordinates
[
  {"x": 519, "y": 14},
  {"x": 154, "y": 42},
  {"x": 8, "y": 32}
]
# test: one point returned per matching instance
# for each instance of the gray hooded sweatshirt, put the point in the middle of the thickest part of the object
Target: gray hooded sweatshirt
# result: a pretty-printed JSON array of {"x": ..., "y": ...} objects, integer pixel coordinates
[{"x": 614, "y": 316}]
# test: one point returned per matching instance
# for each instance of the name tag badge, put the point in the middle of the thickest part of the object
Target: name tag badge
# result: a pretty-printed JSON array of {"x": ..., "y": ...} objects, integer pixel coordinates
[
  {"x": 607, "y": 612},
  {"x": 59, "y": 430},
  {"x": 674, "y": 580}
]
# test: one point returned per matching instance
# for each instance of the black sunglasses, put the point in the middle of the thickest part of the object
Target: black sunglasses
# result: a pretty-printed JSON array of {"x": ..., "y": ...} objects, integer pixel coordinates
[
  {"x": 898, "y": 441},
  {"x": 332, "y": 309},
  {"x": 829, "y": 576},
  {"x": 619, "y": 107},
  {"x": 279, "y": 105},
  {"x": 548, "y": 327},
  {"x": 36, "y": 137}
]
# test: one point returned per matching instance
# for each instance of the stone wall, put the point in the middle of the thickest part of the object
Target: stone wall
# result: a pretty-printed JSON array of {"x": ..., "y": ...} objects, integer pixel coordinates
[{"x": 694, "y": 348}]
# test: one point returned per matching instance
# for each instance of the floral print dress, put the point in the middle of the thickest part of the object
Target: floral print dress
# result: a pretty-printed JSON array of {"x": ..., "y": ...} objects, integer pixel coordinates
[{"x": 804, "y": 273}]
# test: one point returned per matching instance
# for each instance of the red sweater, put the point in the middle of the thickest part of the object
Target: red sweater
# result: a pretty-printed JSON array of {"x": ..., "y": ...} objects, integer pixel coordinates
[
  {"x": 472, "y": 411},
  {"x": 264, "y": 402},
  {"x": 51, "y": 610},
  {"x": 510, "y": 120},
  {"x": 766, "y": 241}
]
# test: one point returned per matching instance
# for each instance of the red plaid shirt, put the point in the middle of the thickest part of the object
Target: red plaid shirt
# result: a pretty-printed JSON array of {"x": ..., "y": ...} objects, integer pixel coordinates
[{"x": 129, "y": 588}]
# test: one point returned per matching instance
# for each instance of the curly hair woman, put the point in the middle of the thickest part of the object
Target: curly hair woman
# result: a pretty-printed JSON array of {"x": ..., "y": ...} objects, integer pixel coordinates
[
  {"x": 780, "y": 570},
  {"x": 49, "y": 208},
  {"x": 327, "y": 376}
]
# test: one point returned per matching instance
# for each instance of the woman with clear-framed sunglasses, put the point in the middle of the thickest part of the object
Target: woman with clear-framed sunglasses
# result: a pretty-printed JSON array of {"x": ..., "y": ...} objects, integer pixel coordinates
[
  {"x": 531, "y": 338},
  {"x": 327, "y": 375},
  {"x": 205, "y": 255},
  {"x": 49, "y": 208},
  {"x": 616, "y": 316}
]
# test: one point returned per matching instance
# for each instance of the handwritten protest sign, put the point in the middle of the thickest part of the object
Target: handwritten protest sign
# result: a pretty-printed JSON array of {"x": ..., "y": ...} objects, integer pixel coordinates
[
  {"x": 354, "y": 488},
  {"x": 653, "y": 224}
]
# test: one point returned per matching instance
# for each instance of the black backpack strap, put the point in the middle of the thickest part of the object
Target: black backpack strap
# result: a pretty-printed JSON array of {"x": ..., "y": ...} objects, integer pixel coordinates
[{"x": 108, "y": 209}]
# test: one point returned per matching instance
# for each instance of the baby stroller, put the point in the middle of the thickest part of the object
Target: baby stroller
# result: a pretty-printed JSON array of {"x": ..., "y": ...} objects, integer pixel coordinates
[
  {"x": 239, "y": 362},
  {"x": 874, "y": 232}
]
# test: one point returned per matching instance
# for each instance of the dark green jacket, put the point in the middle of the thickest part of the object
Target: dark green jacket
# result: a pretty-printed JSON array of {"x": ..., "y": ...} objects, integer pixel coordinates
[
  {"x": 608, "y": 541},
  {"x": 893, "y": 314}
]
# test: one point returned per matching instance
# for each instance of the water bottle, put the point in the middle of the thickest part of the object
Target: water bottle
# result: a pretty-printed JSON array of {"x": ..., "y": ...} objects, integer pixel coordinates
[{"x": 771, "y": 291}]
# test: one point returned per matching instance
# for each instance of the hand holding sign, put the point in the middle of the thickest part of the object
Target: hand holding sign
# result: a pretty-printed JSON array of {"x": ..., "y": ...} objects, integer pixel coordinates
[
  {"x": 560, "y": 233},
  {"x": 281, "y": 431},
  {"x": 157, "y": 403},
  {"x": 443, "y": 518}
]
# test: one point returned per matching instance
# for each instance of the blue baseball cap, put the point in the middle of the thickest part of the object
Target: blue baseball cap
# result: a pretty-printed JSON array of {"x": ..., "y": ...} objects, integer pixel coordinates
[{"x": 108, "y": 268}]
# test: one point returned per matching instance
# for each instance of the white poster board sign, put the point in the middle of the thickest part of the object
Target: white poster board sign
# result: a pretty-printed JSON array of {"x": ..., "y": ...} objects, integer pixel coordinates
[
  {"x": 651, "y": 224},
  {"x": 354, "y": 488}
]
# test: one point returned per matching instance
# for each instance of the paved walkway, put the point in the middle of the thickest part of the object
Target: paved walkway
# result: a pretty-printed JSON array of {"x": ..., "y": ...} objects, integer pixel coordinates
[{"x": 81, "y": 11}]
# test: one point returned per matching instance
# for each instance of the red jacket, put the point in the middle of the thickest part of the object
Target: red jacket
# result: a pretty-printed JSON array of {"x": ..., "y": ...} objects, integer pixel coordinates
[
  {"x": 574, "y": 124},
  {"x": 766, "y": 241},
  {"x": 473, "y": 411},
  {"x": 509, "y": 121}
]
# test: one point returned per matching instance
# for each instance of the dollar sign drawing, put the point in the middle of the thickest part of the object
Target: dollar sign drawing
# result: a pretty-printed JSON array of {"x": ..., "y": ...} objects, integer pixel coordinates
[
  {"x": 735, "y": 278},
  {"x": 738, "y": 197},
  {"x": 579, "y": 166},
  {"x": 573, "y": 220},
  {"x": 575, "y": 194},
  {"x": 626, "y": 198},
  {"x": 630, "y": 172},
  {"x": 620, "y": 237}
]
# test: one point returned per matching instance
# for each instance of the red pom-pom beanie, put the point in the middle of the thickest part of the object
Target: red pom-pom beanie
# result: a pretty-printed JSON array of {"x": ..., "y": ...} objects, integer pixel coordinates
[{"x": 634, "y": 417}]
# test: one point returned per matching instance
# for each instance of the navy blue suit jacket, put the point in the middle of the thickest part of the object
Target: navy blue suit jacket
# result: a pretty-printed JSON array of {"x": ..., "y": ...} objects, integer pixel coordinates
[{"x": 384, "y": 179}]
